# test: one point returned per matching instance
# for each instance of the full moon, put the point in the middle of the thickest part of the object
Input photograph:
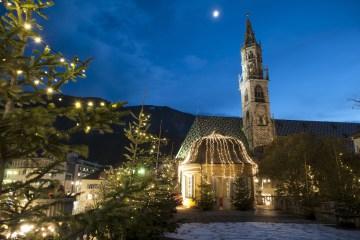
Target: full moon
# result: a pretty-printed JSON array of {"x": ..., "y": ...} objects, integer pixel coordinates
[{"x": 216, "y": 13}]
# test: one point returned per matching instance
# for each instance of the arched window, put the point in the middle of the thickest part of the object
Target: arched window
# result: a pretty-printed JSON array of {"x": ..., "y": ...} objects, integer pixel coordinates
[{"x": 259, "y": 94}]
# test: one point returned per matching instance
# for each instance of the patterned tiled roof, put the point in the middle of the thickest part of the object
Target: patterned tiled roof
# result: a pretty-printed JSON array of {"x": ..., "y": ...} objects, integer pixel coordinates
[{"x": 232, "y": 126}]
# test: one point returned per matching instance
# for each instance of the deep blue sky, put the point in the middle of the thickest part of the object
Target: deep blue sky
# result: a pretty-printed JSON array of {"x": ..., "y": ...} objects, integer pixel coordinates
[{"x": 173, "y": 53}]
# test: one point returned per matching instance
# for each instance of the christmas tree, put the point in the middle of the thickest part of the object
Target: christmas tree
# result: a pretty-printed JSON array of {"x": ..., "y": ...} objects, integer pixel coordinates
[
  {"x": 207, "y": 199},
  {"x": 32, "y": 76},
  {"x": 241, "y": 197},
  {"x": 138, "y": 197}
]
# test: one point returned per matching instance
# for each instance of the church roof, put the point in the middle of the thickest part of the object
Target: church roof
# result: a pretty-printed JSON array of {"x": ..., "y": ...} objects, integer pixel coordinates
[
  {"x": 232, "y": 126},
  {"x": 218, "y": 149},
  {"x": 205, "y": 125},
  {"x": 249, "y": 34}
]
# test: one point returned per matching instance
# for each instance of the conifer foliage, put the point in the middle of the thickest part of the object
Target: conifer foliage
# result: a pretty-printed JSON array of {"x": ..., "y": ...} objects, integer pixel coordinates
[
  {"x": 137, "y": 198},
  {"x": 241, "y": 197},
  {"x": 32, "y": 75},
  {"x": 207, "y": 199}
]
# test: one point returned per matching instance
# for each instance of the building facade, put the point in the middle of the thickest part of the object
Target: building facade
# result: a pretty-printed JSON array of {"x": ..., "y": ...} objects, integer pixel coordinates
[
  {"x": 255, "y": 129},
  {"x": 257, "y": 123}
]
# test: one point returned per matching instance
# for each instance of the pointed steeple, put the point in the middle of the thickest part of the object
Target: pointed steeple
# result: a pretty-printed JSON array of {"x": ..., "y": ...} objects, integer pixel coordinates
[{"x": 249, "y": 34}]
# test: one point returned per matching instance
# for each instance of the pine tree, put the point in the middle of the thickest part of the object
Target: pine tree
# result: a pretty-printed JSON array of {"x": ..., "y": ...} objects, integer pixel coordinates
[
  {"x": 241, "y": 197},
  {"x": 137, "y": 198},
  {"x": 31, "y": 77},
  {"x": 207, "y": 199}
]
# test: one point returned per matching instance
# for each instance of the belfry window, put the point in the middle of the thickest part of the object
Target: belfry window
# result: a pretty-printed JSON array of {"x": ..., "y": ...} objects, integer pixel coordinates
[{"x": 259, "y": 94}]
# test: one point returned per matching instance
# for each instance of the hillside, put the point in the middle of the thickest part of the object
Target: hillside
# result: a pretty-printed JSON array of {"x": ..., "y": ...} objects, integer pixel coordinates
[{"x": 109, "y": 148}]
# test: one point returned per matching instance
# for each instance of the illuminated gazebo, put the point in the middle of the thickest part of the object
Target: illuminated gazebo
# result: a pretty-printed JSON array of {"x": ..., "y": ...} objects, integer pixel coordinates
[{"x": 219, "y": 160}]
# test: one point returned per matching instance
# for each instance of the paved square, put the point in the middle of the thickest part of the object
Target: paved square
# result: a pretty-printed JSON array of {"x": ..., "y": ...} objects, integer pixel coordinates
[{"x": 261, "y": 231}]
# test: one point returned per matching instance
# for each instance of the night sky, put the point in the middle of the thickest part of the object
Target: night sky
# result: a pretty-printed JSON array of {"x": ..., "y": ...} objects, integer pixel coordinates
[{"x": 174, "y": 53}]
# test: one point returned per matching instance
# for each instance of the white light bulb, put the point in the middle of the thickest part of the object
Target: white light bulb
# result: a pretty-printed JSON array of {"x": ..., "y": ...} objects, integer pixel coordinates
[
  {"x": 36, "y": 82},
  {"x": 27, "y": 26},
  {"x": 19, "y": 72},
  {"x": 62, "y": 60},
  {"x": 37, "y": 40},
  {"x": 49, "y": 90}
]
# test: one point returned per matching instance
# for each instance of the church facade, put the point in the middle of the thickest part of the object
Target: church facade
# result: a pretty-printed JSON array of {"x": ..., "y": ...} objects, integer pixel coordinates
[{"x": 255, "y": 129}]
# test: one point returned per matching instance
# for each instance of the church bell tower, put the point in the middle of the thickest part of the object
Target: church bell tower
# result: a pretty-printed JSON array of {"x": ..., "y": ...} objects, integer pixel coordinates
[{"x": 257, "y": 124}]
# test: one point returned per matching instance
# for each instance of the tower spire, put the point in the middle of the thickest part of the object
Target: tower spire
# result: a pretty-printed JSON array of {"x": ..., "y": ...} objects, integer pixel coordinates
[{"x": 249, "y": 34}]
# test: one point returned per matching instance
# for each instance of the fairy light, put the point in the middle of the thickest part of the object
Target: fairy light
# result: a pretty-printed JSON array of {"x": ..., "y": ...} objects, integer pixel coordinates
[
  {"x": 60, "y": 99},
  {"x": 87, "y": 129},
  {"x": 62, "y": 60},
  {"x": 77, "y": 104},
  {"x": 141, "y": 171},
  {"x": 37, "y": 40},
  {"x": 27, "y": 26},
  {"x": 37, "y": 82},
  {"x": 19, "y": 72},
  {"x": 90, "y": 104},
  {"x": 102, "y": 104},
  {"x": 50, "y": 90}
]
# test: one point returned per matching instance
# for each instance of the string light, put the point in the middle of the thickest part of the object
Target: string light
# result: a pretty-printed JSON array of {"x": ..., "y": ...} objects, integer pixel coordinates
[
  {"x": 27, "y": 26},
  {"x": 49, "y": 90},
  {"x": 90, "y": 104},
  {"x": 36, "y": 82},
  {"x": 19, "y": 72},
  {"x": 62, "y": 60},
  {"x": 77, "y": 104},
  {"x": 37, "y": 40},
  {"x": 102, "y": 104},
  {"x": 60, "y": 99},
  {"x": 87, "y": 129}
]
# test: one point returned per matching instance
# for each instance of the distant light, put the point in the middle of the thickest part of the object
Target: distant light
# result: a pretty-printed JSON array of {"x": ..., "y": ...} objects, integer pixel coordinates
[
  {"x": 60, "y": 99},
  {"x": 19, "y": 72},
  {"x": 36, "y": 82},
  {"x": 90, "y": 104},
  {"x": 102, "y": 104},
  {"x": 216, "y": 13},
  {"x": 62, "y": 60}
]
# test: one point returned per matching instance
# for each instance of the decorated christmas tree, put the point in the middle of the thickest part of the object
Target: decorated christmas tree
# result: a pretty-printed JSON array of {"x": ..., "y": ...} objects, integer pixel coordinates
[
  {"x": 32, "y": 75},
  {"x": 241, "y": 197},
  {"x": 137, "y": 198},
  {"x": 207, "y": 199}
]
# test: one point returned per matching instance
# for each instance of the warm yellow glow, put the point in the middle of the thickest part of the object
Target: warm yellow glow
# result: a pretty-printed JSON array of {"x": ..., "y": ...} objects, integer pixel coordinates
[
  {"x": 114, "y": 105},
  {"x": 25, "y": 228},
  {"x": 62, "y": 60},
  {"x": 19, "y": 72},
  {"x": 188, "y": 202},
  {"x": 60, "y": 99},
  {"x": 87, "y": 129},
  {"x": 72, "y": 65},
  {"x": 50, "y": 90},
  {"x": 90, "y": 104},
  {"x": 37, "y": 82},
  {"x": 102, "y": 104},
  {"x": 27, "y": 26},
  {"x": 77, "y": 104},
  {"x": 37, "y": 39}
]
